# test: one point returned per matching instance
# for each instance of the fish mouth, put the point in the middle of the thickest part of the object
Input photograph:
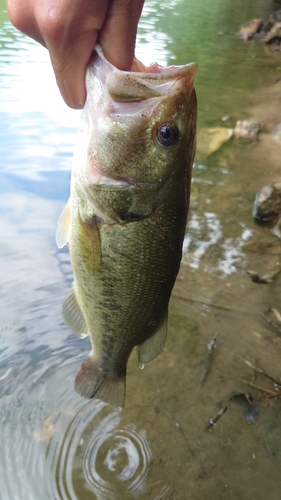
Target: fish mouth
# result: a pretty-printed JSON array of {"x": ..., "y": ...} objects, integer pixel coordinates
[
  {"x": 98, "y": 178},
  {"x": 142, "y": 82}
]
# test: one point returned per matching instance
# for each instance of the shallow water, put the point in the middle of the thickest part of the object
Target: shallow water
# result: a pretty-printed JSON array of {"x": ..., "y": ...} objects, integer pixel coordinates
[{"x": 54, "y": 444}]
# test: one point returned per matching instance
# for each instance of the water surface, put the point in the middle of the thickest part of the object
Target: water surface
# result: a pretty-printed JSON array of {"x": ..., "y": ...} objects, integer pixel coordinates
[{"x": 54, "y": 444}]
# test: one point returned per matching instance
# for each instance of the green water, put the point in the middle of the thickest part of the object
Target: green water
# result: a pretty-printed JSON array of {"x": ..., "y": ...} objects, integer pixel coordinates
[{"x": 54, "y": 445}]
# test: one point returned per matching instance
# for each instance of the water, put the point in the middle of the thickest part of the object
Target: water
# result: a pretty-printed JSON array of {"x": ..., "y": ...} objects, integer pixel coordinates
[{"x": 54, "y": 444}]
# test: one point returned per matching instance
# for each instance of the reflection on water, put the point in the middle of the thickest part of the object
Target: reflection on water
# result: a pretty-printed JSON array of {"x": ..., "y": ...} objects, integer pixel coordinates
[
  {"x": 64, "y": 449},
  {"x": 204, "y": 237},
  {"x": 153, "y": 42},
  {"x": 210, "y": 227},
  {"x": 53, "y": 444}
]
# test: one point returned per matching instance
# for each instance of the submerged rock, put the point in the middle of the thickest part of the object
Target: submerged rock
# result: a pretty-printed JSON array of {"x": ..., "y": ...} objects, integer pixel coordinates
[
  {"x": 267, "y": 209},
  {"x": 247, "y": 129},
  {"x": 249, "y": 29},
  {"x": 211, "y": 139},
  {"x": 267, "y": 205},
  {"x": 264, "y": 30}
]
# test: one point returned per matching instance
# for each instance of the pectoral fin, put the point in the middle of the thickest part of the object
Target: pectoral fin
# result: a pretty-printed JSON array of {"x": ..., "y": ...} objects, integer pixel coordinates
[
  {"x": 73, "y": 316},
  {"x": 92, "y": 382},
  {"x": 63, "y": 226},
  {"x": 152, "y": 347}
]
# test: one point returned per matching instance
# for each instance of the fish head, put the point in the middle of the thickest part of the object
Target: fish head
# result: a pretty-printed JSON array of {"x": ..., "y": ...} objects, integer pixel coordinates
[{"x": 138, "y": 130}]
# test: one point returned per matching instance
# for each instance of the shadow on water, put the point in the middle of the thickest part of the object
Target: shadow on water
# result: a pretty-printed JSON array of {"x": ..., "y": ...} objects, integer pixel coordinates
[{"x": 55, "y": 445}]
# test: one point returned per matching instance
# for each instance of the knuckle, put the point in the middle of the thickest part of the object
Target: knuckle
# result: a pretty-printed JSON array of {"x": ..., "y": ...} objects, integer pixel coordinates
[{"x": 51, "y": 23}]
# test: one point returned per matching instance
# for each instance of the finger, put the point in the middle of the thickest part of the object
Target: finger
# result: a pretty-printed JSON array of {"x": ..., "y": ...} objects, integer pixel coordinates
[
  {"x": 70, "y": 67},
  {"x": 118, "y": 34},
  {"x": 21, "y": 16},
  {"x": 70, "y": 34}
]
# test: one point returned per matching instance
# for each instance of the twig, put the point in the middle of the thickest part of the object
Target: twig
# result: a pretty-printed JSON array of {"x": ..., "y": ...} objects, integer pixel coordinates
[
  {"x": 259, "y": 387},
  {"x": 256, "y": 278},
  {"x": 248, "y": 398},
  {"x": 212, "y": 345},
  {"x": 265, "y": 278},
  {"x": 254, "y": 372},
  {"x": 259, "y": 370},
  {"x": 185, "y": 438},
  {"x": 276, "y": 395},
  {"x": 276, "y": 314},
  {"x": 276, "y": 328},
  {"x": 214, "y": 420}
]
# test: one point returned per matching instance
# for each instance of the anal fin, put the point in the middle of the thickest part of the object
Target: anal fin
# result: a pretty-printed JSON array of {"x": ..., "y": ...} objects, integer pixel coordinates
[
  {"x": 73, "y": 316},
  {"x": 92, "y": 382},
  {"x": 152, "y": 347}
]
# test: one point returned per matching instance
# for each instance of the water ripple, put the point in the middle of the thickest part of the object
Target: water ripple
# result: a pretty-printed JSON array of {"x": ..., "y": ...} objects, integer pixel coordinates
[{"x": 112, "y": 460}]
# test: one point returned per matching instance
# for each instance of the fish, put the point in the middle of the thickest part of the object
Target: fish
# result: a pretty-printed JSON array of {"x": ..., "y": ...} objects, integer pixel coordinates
[{"x": 126, "y": 216}]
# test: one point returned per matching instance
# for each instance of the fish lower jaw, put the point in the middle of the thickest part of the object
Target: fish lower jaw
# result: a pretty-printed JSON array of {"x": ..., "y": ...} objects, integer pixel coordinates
[{"x": 96, "y": 177}]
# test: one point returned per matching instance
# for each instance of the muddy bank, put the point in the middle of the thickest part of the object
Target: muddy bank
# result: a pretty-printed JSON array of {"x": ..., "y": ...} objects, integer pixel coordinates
[{"x": 240, "y": 456}]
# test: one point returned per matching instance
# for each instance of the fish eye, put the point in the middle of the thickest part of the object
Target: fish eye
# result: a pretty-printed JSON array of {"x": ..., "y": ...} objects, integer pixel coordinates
[{"x": 166, "y": 134}]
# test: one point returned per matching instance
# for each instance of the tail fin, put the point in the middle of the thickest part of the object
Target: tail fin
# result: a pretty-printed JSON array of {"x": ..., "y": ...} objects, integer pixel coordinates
[{"x": 92, "y": 382}]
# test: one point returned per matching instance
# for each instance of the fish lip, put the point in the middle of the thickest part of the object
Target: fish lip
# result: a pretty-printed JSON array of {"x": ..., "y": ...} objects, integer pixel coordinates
[
  {"x": 97, "y": 177},
  {"x": 155, "y": 71},
  {"x": 145, "y": 82}
]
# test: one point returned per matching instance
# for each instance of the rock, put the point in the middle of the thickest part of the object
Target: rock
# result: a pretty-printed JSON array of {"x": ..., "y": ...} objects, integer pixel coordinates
[
  {"x": 267, "y": 205},
  {"x": 265, "y": 30},
  {"x": 247, "y": 129},
  {"x": 275, "y": 32},
  {"x": 211, "y": 139},
  {"x": 250, "y": 28}
]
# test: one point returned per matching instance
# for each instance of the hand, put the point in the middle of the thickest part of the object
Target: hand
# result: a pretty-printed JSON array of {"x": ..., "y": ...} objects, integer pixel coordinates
[{"x": 69, "y": 29}]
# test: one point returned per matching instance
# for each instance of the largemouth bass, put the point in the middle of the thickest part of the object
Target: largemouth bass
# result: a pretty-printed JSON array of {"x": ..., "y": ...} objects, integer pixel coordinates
[{"x": 126, "y": 216}]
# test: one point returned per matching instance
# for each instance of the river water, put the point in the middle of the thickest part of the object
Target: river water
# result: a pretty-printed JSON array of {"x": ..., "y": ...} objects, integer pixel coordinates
[{"x": 56, "y": 445}]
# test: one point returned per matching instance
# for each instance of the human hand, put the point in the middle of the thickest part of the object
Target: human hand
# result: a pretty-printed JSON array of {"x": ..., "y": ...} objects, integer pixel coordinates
[{"x": 69, "y": 29}]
